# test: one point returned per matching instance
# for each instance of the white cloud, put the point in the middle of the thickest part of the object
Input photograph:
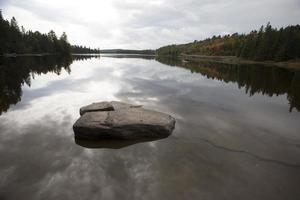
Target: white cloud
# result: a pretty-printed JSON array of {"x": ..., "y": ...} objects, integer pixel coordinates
[{"x": 148, "y": 23}]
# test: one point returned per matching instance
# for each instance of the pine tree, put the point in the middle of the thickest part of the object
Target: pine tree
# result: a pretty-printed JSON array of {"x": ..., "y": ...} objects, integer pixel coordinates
[
  {"x": 14, "y": 23},
  {"x": 1, "y": 16}
]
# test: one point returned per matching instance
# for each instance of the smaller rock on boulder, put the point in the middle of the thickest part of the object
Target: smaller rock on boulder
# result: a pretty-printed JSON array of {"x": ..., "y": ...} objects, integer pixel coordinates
[{"x": 117, "y": 120}]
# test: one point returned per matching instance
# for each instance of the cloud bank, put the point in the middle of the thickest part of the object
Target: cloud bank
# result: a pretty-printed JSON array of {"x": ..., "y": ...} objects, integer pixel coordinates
[{"x": 141, "y": 24}]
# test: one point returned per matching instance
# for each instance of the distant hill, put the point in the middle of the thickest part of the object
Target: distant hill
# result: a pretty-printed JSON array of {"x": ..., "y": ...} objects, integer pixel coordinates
[{"x": 128, "y": 51}]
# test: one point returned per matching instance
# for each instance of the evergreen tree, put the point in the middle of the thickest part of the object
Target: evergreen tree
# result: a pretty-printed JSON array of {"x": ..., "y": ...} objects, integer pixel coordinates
[
  {"x": 16, "y": 40},
  {"x": 266, "y": 44}
]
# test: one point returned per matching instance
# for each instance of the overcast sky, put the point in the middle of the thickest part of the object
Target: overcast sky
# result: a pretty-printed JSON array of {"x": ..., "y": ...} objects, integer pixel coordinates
[{"x": 141, "y": 24}]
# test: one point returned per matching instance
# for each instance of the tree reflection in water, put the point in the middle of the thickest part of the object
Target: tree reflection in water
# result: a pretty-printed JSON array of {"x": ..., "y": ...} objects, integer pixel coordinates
[
  {"x": 15, "y": 72},
  {"x": 266, "y": 80}
]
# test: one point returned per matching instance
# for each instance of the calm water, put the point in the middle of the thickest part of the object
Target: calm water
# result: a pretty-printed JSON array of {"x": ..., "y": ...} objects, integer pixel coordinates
[{"x": 237, "y": 132}]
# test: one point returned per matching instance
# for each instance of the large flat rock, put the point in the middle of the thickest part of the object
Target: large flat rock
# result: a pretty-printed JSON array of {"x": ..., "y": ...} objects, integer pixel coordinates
[
  {"x": 117, "y": 120},
  {"x": 106, "y": 106}
]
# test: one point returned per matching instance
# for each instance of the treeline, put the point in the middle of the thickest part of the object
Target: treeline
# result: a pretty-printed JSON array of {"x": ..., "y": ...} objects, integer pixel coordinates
[
  {"x": 83, "y": 50},
  {"x": 266, "y": 44},
  {"x": 128, "y": 51},
  {"x": 15, "y": 40}
]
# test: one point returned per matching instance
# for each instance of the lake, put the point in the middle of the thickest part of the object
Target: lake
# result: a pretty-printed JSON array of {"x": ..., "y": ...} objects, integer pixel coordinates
[{"x": 237, "y": 132}]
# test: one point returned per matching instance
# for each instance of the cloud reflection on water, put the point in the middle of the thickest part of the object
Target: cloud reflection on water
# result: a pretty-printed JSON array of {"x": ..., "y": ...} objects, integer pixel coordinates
[{"x": 40, "y": 159}]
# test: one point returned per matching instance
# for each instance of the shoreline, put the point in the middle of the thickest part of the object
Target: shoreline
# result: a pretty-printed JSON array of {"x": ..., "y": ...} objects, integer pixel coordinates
[{"x": 291, "y": 64}]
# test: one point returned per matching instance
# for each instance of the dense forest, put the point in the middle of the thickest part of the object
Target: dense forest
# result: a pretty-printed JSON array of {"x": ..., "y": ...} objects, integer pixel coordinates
[
  {"x": 16, "y": 40},
  {"x": 266, "y": 44}
]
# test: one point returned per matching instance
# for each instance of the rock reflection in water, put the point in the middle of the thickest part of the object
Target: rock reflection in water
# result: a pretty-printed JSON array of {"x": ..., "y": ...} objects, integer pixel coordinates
[{"x": 111, "y": 143}]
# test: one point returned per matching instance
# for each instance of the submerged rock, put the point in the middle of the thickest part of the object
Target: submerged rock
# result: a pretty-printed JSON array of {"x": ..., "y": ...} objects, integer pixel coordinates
[{"x": 117, "y": 120}]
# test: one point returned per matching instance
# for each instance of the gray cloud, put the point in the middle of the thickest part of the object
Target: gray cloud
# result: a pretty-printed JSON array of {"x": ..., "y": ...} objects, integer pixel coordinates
[{"x": 152, "y": 23}]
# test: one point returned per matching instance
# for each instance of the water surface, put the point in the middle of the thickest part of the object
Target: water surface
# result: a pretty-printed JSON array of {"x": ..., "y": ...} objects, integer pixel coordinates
[{"x": 236, "y": 137}]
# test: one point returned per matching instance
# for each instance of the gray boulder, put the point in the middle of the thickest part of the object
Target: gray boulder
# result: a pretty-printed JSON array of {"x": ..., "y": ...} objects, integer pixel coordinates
[{"x": 117, "y": 120}]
